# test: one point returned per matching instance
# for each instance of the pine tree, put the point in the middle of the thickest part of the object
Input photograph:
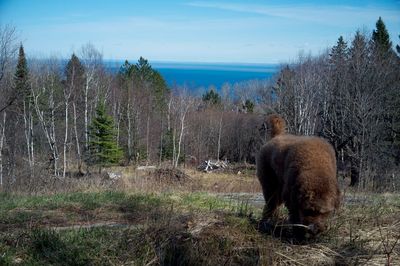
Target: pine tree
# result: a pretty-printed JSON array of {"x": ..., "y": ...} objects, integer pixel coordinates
[
  {"x": 338, "y": 59},
  {"x": 144, "y": 69},
  {"x": 358, "y": 51},
  {"x": 212, "y": 97},
  {"x": 152, "y": 81},
  {"x": 249, "y": 106},
  {"x": 22, "y": 91},
  {"x": 339, "y": 53},
  {"x": 103, "y": 148},
  {"x": 167, "y": 145},
  {"x": 24, "y": 102},
  {"x": 74, "y": 71},
  {"x": 125, "y": 70},
  {"x": 380, "y": 37},
  {"x": 398, "y": 47}
]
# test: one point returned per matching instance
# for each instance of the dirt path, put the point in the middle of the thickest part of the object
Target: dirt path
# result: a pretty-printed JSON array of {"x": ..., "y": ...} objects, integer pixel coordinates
[
  {"x": 253, "y": 199},
  {"x": 98, "y": 224},
  {"x": 257, "y": 199}
]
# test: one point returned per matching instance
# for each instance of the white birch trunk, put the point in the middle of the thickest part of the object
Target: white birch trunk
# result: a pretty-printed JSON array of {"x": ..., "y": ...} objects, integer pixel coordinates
[
  {"x": 128, "y": 114},
  {"x": 49, "y": 133},
  {"x": 65, "y": 138},
  {"x": 118, "y": 115},
  {"x": 173, "y": 147},
  {"x": 148, "y": 139},
  {"x": 178, "y": 154},
  {"x": 219, "y": 138},
  {"x": 28, "y": 135},
  {"x": 2, "y": 137},
  {"x": 78, "y": 149},
  {"x": 53, "y": 145},
  {"x": 86, "y": 113},
  {"x": 31, "y": 137}
]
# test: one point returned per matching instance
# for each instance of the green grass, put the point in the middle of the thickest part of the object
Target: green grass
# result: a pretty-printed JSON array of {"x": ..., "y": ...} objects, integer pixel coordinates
[
  {"x": 179, "y": 228},
  {"x": 163, "y": 236},
  {"x": 17, "y": 209},
  {"x": 96, "y": 246},
  {"x": 86, "y": 200},
  {"x": 165, "y": 220}
]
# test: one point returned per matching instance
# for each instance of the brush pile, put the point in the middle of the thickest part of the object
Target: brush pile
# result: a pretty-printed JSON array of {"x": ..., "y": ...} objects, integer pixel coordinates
[{"x": 211, "y": 166}]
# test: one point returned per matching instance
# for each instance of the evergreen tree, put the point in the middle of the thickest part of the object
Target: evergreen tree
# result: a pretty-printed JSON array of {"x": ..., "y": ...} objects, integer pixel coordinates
[
  {"x": 212, "y": 97},
  {"x": 144, "y": 69},
  {"x": 249, "y": 106},
  {"x": 24, "y": 102},
  {"x": 126, "y": 69},
  {"x": 339, "y": 53},
  {"x": 167, "y": 145},
  {"x": 335, "y": 117},
  {"x": 103, "y": 146},
  {"x": 153, "y": 81},
  {"x": 359, "y": 61},
  {"x": 380, "y": 37},
  {"x": 398, "y": 47},
  {"x": 359, "y": 50},
  {"x": 74, "y": 71},
  {"x": 22, "y": 91}
]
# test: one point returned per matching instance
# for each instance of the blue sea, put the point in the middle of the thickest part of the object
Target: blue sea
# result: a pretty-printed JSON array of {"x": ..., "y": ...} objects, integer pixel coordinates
[{"x": 197, "y": 75}]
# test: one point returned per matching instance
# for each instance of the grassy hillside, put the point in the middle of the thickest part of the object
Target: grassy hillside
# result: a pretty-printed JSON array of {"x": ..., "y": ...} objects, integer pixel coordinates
[{"x": 204, "y": 219}]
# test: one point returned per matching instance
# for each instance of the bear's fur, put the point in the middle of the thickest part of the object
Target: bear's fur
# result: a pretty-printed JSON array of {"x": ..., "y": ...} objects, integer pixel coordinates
[{"x": 299, "y": 171}]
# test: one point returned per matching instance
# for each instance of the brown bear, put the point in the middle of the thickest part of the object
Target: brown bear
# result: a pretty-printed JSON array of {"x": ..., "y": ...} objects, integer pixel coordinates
[{"x": 299, "y": 171}]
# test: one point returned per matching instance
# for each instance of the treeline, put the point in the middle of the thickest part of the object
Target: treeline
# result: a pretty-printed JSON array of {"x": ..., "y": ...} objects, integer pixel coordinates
[
  {"x": 351, "y": 96},
  {"x": 66, "y": 120}
]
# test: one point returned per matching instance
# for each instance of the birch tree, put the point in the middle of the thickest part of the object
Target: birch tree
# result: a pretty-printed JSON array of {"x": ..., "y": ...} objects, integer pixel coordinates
[
  {"x": 91, "y": 59},
  {"x": 182, "y": 105},
  {"x": 23, "y": 91},
  {"x": 2, "y": 138},
  {"x": 75, "y": 75},
  {"x": 8, "y": 51},
  {"x": 45, "y": 85}
]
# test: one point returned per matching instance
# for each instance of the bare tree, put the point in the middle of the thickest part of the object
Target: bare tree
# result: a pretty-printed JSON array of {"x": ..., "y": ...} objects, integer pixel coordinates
[
  {"x": 67, "y": 95},
  {"x": 182, "y": 103},
  {"x": 91, "y": 59},
  {"x": 8, "y": 50},
  {"x": 45, "y": 81},
  {"x": 2, "y": 137}
]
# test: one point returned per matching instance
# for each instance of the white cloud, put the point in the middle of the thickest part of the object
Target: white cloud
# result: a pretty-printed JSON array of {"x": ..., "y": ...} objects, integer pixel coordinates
[
  {"x": 261, "y": 33},
  {"x": 324, "y": 14}
]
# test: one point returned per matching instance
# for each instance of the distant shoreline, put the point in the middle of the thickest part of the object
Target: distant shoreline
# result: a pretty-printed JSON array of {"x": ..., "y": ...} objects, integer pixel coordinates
[{"x": 204, "y": 75}]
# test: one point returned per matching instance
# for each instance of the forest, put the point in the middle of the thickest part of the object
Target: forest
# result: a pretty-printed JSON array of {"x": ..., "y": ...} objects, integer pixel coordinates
[{"x": 70, "y": 118}]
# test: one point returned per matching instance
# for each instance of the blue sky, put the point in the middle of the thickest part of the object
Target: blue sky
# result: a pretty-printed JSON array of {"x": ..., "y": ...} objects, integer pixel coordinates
[{"x": 193, "y": 31}]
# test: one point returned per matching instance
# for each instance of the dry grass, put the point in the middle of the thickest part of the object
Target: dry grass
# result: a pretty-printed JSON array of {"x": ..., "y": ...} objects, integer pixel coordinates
[{"x": 207, "y": 218}]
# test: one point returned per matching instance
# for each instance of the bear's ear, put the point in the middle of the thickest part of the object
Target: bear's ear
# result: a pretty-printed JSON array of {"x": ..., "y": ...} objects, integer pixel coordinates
[{"x": 276, "y": 124}]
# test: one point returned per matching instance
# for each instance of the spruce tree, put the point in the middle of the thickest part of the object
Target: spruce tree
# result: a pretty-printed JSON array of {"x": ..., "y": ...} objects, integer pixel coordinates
[
  {"x": 74, "y": 72},
  {"x": 380, "y": 37},
  {"x": 249, "y": 106},
  {"x": 211, "y": 97},
  {"x": 22, "y": 91},
  {"x": 339, "y": 53},
  {"x": 103, "y": 148},
  {"x": 167, "y": 145}
]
